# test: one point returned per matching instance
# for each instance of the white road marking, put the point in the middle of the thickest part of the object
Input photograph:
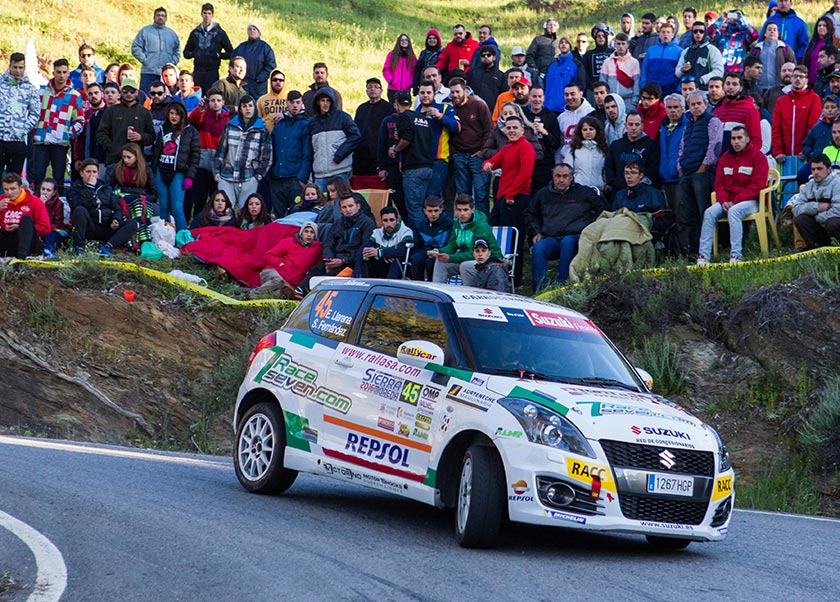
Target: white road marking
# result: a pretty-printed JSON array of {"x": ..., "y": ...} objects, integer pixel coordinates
[
  {"x": 108, "y": 451},
  {"x": 52, "y": 573},
  {"x": 826, "y": 519}
]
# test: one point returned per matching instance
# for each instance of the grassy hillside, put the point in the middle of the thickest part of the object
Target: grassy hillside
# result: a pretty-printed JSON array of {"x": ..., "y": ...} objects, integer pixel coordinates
[{"x": 352, "y": 36}]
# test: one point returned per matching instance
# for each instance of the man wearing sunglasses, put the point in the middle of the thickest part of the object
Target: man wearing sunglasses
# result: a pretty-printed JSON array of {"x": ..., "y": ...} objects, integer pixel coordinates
[
  {"x": 86, "y": 54},
  {"x": 701, "y": 59},
  {"x": 272, "y": 104}
]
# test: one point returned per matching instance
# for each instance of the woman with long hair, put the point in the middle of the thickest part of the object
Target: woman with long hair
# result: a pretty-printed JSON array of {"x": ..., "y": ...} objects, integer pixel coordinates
[
  {"x": 398, "y": 69},
  {"x": 823, "y": 35},
  {"x": 311, "y": 199},
  {"x": 134, "y": 186},
  {"x": 588, "y": 153},
  {"x": 773, "y": 53},
  {"x": 218, "y": 212},
  {"x": 111, "y": 73},
  {"x": 176, "y": 157},
  {"x": 254, "y": 213}
]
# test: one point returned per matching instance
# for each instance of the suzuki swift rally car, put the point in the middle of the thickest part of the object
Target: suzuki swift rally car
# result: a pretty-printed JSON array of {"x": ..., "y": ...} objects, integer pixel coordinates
[{"x": 494, "y": 404}]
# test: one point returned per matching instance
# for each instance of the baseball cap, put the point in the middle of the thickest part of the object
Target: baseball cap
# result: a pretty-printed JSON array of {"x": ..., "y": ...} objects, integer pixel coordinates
[
  {"x": 517, "y": 50},
  {"x": 480, "y": 243},
  {"x": 128, "y": 83},
  {"x": 710, "y": 15},
  {"x": 403, "y": 98},
  {"x": 834, "y": 74},
  {"x": 521, "y": 80}
]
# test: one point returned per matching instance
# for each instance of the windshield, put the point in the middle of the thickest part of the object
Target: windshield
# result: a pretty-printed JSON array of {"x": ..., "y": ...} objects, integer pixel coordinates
[{"x": 546, "y": 345}]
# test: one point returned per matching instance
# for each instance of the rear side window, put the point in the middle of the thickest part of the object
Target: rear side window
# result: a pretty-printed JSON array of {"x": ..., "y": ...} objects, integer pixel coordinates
[
  {"x": 332, "y": 312},
  {"x": 392, "y": 321}
]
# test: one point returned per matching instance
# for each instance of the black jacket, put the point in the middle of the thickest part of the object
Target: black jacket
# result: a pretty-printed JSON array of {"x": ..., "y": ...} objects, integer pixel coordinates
[
  {"x": 208, "y": 48},
  {"x": 493, "y": 275},
  {"x": 555, "y": 213},
  {"x": 347, "y": 236},
  {"x": 187, "y": 155},
  {"x": 99, "y": 200},
  {"x": 150, "y": 190},
  {"x": 487, "y": 83},
  {"x": 112, "y": 133},
  {"x": 644, "y": 150}
]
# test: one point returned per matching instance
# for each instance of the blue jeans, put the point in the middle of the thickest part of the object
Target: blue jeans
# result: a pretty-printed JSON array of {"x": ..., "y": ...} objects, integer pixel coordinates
[
  {"x": 322, "y": 182},
  {"x": 563, "y": 248},
  {"x": 171, "y": 199},
  {"x": 44, "y": 155},
  {"x": 471, "y": 179},
  {"x": 415, "y": 184},
  {"x": 439, "y": 171},
  {"x": 737, "y": 213}
]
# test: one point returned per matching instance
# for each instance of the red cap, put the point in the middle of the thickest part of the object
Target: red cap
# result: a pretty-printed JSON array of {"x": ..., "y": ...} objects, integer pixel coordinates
[{"x": 521, "y": 80}]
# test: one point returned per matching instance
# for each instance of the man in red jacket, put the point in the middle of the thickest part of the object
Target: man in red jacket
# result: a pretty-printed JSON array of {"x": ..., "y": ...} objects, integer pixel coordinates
[
  {"x": 23, "y": 219},
  {"x": 458, "y": 52},
  {"x": 736, "y": 109},
  {"x": 741, "y": 174},
  {"x": 651, "y": 109},
  {"x": 795, "y": 114}
]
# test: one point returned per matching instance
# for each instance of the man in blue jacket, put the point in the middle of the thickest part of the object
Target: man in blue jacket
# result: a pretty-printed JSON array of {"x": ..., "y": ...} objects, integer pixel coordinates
[
  {"x": 154, "y": 46},
  {"x": 670, "y": 137},
  {"x": 792, "y": 29},
  {"x": 661, "y": 61},
  {"x": 259, "y": 57},
  {"x": 292, "y": 154}
]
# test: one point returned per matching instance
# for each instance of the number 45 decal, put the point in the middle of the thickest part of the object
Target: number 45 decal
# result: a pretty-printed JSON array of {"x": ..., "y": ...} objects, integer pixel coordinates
[
  {"x": 324, "y": 305},
  {"x": 410, "y": 392}
]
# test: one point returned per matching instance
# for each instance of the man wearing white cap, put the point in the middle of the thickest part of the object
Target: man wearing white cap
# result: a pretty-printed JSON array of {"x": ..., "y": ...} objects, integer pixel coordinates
[
  {"x": 259, "y": 57},
  {"x": 517, "y": 59}
]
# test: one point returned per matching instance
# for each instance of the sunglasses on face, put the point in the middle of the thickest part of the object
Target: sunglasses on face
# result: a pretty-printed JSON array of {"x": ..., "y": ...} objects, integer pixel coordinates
[
  {"x": 277, "y": 79},
  {"x": 156, "y": 93}
]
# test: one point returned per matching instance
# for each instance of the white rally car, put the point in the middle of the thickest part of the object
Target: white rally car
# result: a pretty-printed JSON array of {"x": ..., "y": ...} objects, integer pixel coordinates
[{"x": 494, "y": 404}]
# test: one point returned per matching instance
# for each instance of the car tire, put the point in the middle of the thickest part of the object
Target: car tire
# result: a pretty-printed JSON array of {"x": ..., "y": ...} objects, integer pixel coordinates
[
  {"x": 668, "y": 543},
  {"x": 480, "y": 504},
  {"x": 259, "y": 450}
]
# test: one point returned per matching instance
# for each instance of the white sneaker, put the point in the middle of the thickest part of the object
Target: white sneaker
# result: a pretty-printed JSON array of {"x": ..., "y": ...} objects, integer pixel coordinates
[
  {"x": 734, "y": 259},
  {"x": 701, "y": 260}
]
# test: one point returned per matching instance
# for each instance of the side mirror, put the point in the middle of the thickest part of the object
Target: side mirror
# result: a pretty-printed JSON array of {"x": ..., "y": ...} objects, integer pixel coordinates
[
  {"x": 646, "y": 377},
  {"x": 420, "y": 353}
]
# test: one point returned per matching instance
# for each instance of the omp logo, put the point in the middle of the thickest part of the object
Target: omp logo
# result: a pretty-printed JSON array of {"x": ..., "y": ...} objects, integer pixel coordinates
[
  {"x": 667, "y": 459},
  {"x": 723, "y": 488}
]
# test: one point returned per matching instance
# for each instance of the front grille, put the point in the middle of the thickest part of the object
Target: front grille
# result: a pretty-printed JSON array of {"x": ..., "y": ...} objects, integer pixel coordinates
[
  {"x": 646, "y": 457},
  {"x": 583, "y": 503},
  {"x": 722, "y": 512},
  {"x": 661, "y": 510}
]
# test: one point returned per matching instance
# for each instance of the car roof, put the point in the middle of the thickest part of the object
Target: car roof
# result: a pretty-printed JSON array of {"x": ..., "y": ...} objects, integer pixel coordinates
[{"x": 461, "y": 295}]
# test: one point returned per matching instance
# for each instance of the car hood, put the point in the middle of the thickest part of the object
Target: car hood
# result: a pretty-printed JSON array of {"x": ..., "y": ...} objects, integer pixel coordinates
[{"x": 613, "y": 413}]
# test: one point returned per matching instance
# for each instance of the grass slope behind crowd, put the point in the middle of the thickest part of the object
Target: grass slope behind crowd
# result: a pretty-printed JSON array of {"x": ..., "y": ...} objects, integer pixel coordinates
[{"x": 352, "y": 36}]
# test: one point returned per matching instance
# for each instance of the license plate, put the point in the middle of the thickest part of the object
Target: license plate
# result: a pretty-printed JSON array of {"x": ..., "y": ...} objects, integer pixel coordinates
[{"x": 671, "y": 485}]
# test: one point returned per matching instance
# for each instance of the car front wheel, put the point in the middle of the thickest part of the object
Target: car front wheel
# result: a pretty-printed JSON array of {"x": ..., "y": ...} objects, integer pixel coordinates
[
  {"x": 480, "y": 505},
  {"x": 259, "y": 450}
]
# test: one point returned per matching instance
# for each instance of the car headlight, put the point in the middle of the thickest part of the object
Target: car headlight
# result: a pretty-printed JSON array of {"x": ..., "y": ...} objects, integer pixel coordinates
[
  {"x": 547, "y": 427},
  {"x": 723, "y": 451}
]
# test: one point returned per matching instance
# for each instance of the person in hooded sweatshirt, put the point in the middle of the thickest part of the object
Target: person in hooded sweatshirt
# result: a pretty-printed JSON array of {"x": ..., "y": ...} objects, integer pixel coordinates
[
  {"x": 287, "y": 262},
  {"x": 661, "y": 61},
  {"x": 428, "y": 57},
  {"x": 622, "y": 72},
  {"x": 562, "y": 71},
  {"x": 244, "y": 154},
  {"x": 273, "y": 102},
  {"x": 594, "y": 58},
  {"x": 334, "y": 138},
  {"x": 23, "y": 218},
  {"x": 259, "y": 57},
  {"x": 700, "y": 58},
  {"x": 615, "y": 111},
  {"x": 544, "y": 48}
]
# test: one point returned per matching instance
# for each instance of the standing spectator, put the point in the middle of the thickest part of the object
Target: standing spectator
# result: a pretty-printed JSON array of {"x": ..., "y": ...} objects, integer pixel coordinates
[
  {"x": 384, "y": 254},
  {"x": 273, "y": 102},
  {"x": 458, "y": 52},
  {"x": 716, "y": 93},
  {"x": 634, "y": 145},
  {"x": 700, "y": 148},
  {"x": 428, "y": 57},
  {"x": 689, "y": 19},
  {"x": 292, "y": 148},
  {"x": 208, "y": 45},
  {"x": 670, "y": 139},
  {"x": 334, "y": 138},
  {"x": 498, "y": 137},
  {"x": 485, "y": 37},
  {"x": 210, "y": 118},
  {"x": 398, "y": 69},
  {"x": 651, "y": 109},
  {"x": 259, "y": 57},
  {"x": 169, "y": 77},
  {"x": 518, "y": 92},
  {"x": 431, "y": 233},
  {"x": 752, "y": 73},
  {"x": 793, "y": 30},
  {"x": 834, "y": 14},
  {"x": 587, "y": 153},
  {"x": 773, "y": 53},
  {"x": 823, "y": 36},
  {"x": 557, "y": 215},
  {"x": 444, "y": 123},
  {"x": 660, "y": 64},
  {"x": 517, "y": 59},
  {"x": 432, "y": 74},
  {"x": 418, "y": 156},
  {"x": 548, "y": 133},
  {"x": 615, "y": 112},
  {"x": 20, "y": 107},
  {"x": 85, "y": 146},
  {"x": 564, "y": 70},
  {"x": 773, "y": 94},
  {"x": 154, "y": 46},
  {"x": 581, "y": 44},
  {"x": 388, "y": 169},
  {"x": 733, "y": 36},
  {"x": 485, "y": 78},
  {"x": 577, "y": 107},
  {"x": 233, "y": 86},
  {"x": 466, "y": 147},
  {"x": 320, "y": 76},
  {"x": 820, "y": 135},
  {"x": 369, "y": 117},
  {"x": 188, "y": 93},
  {"x": 455, "y": 257},
  {"x": 627, "y": 25},
  {"x": 86, "y": 54},
  {"x": 621, "y": 72},
  {"x": 816, "y": 209},
  {"x": 176, "y": 158},
  {"x": 700, "y": 58},
  {"x": 594, "y": 59},
  {"x": 736, "y": 109},
  {"x": 543, "y": 48},
  {"x": 23, "y": 218},
  {"x": 244, "y": 154},
  {"x": 795, "y": 114},
  {"x": 642, "y": 42},
  {"x": 127, "y": 121},
  {"x": 61, "y": 119},
  {"x": 827, "y": 62}
]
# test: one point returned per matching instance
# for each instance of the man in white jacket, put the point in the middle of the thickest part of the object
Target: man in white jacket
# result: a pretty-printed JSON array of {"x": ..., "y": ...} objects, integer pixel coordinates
[
  {"x": 577, "y": 107},
  {"x": 816, "y": 209}
]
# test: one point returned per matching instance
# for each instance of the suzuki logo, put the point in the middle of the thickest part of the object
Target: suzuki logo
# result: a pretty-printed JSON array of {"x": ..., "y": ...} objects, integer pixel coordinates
[
  {"x": 636, "y": 430},
  {"x": 666, "y": 458}
]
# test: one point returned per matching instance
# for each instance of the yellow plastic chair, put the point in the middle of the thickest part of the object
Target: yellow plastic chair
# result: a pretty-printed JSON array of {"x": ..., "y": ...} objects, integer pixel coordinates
[
  {"x": 377, "y": 199},
  {"x": 762, "y": 217}
]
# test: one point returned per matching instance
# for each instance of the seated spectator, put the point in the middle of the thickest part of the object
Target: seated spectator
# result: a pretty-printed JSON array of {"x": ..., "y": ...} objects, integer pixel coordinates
[
  {"x": 134, "y": 186},
  {"x": 218, "y": 212},
  {"x": 384, "y": 254},
  {"x": 741, "y": 174},
  {"x": 254, "y": 213},
  {"x": 337, "y": 188},
  {"x": 588, "y": 151},
  {"x": 432, "y": 233},
  {"x": 23, "y": 218},
  {"x": 490, "y": 272},
  {"x": 816, "y": 209},
  {"x": 59, "y": 228},
  {"x": 311, "y": 199},
  {"x": 288, "y": 261},
  {"x": 95, "y": 212},
  {"x": 638, "y": 196},
  {"x": 818, "y": 138},
  {"x": 455, "y": 257}
]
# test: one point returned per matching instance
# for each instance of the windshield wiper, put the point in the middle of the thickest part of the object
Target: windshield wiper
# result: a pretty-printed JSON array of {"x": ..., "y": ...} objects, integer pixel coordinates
[
  {"x": 522, "y": 373},
  {"x": 601, "y": 382}
]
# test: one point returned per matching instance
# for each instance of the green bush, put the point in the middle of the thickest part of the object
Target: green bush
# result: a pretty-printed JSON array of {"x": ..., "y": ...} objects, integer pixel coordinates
[
  {"x": 665, "y": 363},
  {"x": 820, "y": 431},
  {"x": 783, "y": 487}
]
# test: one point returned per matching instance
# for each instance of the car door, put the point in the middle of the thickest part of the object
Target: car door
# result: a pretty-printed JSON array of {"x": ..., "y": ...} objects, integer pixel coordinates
[{"x": 389, "y": 428}]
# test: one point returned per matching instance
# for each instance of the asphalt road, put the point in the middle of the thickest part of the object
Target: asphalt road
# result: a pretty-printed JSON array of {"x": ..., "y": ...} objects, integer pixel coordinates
[{"x": 133, "y": 525}]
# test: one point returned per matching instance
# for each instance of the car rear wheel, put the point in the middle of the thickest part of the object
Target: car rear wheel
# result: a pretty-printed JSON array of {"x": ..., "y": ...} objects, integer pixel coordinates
[
  {"x": 259, "y": 451},
  {"x": 668, "y": 543},
  {"x": 480, "y": 505}
]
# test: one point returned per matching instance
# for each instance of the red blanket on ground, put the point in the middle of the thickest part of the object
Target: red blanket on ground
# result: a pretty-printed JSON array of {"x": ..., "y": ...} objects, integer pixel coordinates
[{"x": 240, "y": 252}]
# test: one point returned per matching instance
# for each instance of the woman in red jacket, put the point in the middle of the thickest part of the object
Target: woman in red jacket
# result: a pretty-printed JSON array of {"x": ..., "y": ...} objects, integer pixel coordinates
[{"x": 398, "y": 69}]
